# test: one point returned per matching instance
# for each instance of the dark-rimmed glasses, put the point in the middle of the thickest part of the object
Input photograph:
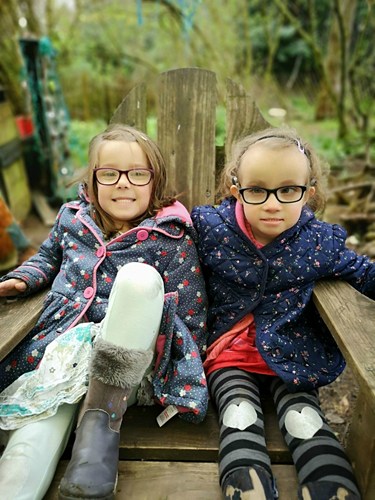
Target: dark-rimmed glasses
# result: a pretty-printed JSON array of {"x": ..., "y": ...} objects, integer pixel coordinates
[
  {"x": 111, "y": 176},
  {"x": 286, "y": 194}
]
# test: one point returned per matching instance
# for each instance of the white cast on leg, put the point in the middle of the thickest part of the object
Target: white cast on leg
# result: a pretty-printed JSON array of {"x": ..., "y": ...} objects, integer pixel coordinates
[
  {"x": 135, "y": 307},
  {"x": 32, "y": 453},
  {"x": 135, "y": 310}
]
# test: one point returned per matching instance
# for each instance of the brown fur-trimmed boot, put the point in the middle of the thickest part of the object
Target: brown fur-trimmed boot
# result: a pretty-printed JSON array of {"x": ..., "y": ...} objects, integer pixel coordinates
[{"x": 92, "y": 470}]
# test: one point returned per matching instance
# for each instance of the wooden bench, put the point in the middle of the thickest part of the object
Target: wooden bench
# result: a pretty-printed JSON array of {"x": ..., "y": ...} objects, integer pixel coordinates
[{"x": 179, "y": 460}]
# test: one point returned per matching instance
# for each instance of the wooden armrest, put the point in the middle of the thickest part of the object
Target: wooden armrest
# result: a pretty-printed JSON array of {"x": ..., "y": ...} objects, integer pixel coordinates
[
  {"x": 17, "y": 317},
  {"x": 350, "y": 317}
]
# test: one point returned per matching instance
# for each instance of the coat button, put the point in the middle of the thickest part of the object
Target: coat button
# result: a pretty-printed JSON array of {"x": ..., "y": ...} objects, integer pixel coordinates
[
  {"x": 89, "y": 292},
  {"x": 142, "y": 235},
  {"x": 100, "y": 252}
]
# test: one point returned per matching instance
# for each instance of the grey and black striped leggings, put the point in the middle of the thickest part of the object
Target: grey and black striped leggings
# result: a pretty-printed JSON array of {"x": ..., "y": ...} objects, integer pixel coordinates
[{"x": 316, "y": 452}]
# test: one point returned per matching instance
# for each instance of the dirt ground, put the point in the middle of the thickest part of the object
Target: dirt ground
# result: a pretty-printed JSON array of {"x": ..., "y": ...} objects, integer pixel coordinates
[{"x": 338, "y": 402}]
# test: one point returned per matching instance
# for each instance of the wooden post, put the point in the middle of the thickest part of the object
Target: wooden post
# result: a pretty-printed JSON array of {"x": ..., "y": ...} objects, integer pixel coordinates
[
  {"x": 132, "y": 110},
  {"x": 186, "y": 132},
  {"x": 243, "y": 115}
]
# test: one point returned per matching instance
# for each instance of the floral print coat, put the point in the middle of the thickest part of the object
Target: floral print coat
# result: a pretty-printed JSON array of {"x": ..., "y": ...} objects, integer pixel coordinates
[
  {"x": 80, "y": 266},
  {"x": 275, "y": 283}
]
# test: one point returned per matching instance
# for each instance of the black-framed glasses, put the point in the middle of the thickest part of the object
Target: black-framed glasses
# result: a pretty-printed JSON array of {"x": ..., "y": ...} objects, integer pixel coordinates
[
  {"x": 136, "y": 176},
  {"x": 286, "y": 194}
]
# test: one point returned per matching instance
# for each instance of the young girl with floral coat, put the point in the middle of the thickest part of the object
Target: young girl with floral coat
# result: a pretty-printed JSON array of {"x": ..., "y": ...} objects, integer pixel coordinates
[{"x": 122, "y": 267}]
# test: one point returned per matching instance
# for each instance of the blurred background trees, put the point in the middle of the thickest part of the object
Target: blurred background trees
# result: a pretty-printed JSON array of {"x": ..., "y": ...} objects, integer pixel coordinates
[{"x": 320, "y": 51}]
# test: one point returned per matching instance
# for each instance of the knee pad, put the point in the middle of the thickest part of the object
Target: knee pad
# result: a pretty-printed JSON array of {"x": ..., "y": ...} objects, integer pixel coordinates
[
  {"x": 303, "y": 424},
  {"x": 240, "y": 416},
  {"x": 135, "y": 307},
  {"x": 139, "y": 279}
]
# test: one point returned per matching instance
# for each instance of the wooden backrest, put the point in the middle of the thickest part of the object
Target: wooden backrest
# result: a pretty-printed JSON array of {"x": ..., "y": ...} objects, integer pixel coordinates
[{"x": 187, "y": 101}]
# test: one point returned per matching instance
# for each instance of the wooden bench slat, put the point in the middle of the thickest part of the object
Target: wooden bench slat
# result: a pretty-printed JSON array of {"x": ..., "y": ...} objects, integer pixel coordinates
[
  {"x": 16, "y": 320},
  {"x": 133, "y": 110},
  {"x": 149, "y": 480},
  {"x": 142, "y": 438},
  {"x": 350, "y": 316},
  {"x": 186, "y": 120}
]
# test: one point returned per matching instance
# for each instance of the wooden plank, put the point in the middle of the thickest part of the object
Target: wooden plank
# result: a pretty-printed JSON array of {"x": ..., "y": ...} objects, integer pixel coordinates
[
  {"x": 186, "y": 132},
  {"x": 43, "y": 209},
  {"x": 17, "y": 191},
  {"x": 17, "y": 317},
  {"x": 361, "y": 446},
  {"x": 8, "y": 129},
  {"x": 350, "y": 316},
  {"x": 243, "y": 115},
  {"x": 142, "y": 438},
  {"x": 132, "y": 110},
  {"x": 149, "y": 480}
]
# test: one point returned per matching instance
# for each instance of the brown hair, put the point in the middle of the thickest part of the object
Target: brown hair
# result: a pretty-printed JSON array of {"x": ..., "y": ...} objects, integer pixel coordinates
[
  {"x": 278, "y": 137},
  {"x": 158, "y": 199}
]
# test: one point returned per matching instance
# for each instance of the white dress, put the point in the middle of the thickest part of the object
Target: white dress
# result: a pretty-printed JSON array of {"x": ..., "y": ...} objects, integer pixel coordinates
[{"x": 61, "y": 377}]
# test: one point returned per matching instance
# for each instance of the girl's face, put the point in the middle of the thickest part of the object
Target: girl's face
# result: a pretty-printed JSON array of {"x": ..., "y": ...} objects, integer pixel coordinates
[
  {"x": 123, "y": 201},
  {"x": 263, "y": 167}
]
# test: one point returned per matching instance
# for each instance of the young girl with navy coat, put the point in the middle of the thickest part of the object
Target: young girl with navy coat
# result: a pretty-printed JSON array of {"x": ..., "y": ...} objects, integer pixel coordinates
[{"x": 262, "y": 250}]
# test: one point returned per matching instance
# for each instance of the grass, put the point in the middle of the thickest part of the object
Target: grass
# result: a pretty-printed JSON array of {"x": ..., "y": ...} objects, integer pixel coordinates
[{"x": 322, "y": 135}]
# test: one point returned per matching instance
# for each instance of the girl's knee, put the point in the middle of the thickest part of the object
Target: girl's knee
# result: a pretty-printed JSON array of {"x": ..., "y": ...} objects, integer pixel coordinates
[
  {"x": 303, "y": 424},
  {"x": 240, "y": 416},
  {"x": 140, "y": 279}
]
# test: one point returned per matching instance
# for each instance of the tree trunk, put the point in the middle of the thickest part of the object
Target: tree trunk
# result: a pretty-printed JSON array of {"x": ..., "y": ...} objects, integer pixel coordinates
[
  {"x": 336, "y": 64},
  {"x": 11, "y": 61}
]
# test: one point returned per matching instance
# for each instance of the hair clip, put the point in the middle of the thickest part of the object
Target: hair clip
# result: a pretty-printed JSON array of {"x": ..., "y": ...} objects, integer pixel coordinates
[
  {"x": 234, "y": 180},
  {"x": 300, "y": 147}
]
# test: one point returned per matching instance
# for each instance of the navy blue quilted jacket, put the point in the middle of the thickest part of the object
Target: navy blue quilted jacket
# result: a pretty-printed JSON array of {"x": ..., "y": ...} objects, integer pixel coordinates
[{"x": 275, "y": 283}]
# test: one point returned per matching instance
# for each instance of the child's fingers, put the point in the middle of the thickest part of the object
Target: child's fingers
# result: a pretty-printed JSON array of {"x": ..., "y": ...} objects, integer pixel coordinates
[
  {"x": 12, "y": 287},
  {"x": 20, "y": 286}
]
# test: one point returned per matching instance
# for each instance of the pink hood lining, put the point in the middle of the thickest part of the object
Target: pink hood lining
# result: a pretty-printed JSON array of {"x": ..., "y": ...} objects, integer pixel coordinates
[{"x": 176, "y": 209}]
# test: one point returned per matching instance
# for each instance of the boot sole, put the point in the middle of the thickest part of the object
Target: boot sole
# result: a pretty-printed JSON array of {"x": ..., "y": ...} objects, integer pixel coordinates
[
  {"x": 111, "y": 496},
  {"x": 61, "y": 496}
]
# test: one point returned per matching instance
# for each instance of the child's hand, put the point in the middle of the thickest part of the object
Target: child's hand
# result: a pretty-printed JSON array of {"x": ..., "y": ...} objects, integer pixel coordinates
[{"x": 12, "y": 287}]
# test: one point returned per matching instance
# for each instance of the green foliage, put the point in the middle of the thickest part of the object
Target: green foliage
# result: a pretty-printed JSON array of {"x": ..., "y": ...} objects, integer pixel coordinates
[
  {"x": 323, "y": 134},
  {"x": 106, "y": 47},
  {"x": 80, "y": 134},
  {"x": 220, "y": 125}
]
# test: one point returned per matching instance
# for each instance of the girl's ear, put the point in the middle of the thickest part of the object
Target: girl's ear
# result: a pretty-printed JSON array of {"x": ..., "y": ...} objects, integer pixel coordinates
[
  {"x": 234, "y": 192},
  {"x": 310, "y": 192}
]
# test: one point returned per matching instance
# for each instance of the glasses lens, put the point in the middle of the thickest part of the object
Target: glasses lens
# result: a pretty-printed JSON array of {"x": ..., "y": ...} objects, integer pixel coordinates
[
  {"x": 286, "y": 194},
  {"x": 254, "y": 195},
  {"x": 289, "y": 194},
  {"x": 139, "y": 177},
  {"x": 107, "y": 176}
]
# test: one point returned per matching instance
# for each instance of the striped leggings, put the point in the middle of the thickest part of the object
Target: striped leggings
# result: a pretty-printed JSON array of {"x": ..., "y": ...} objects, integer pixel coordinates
[{"x": 316, "y": 452}]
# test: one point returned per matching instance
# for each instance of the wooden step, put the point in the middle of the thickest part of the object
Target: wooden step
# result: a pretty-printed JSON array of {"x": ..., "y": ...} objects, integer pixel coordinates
[
  {"x": 144, "y": 480},
  {"x": 180, "y": 458},
  {"x": 143, "y": 439}
]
